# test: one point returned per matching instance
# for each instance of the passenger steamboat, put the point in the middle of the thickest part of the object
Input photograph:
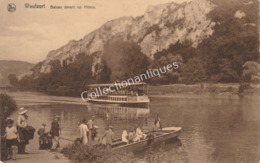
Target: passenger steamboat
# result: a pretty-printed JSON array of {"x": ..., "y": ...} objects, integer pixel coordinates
[{"x": 133, "y": 94}]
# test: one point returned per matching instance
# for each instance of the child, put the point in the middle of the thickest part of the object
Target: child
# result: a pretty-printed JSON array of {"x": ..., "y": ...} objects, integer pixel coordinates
[
  {"x": 42, "y": 137},
  {"x": 11, "y": 139}
]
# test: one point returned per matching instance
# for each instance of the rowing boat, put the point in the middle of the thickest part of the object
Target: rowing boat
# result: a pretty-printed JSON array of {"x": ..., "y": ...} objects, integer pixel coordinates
[{"x": 158, "y": 136}]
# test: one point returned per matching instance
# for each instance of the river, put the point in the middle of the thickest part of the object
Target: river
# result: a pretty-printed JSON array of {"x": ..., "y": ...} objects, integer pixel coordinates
[{"x": 216, "y": 128}]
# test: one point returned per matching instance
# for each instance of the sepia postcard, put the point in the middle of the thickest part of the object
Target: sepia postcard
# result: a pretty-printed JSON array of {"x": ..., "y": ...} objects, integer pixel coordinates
[{"x": 130, "y": 81}]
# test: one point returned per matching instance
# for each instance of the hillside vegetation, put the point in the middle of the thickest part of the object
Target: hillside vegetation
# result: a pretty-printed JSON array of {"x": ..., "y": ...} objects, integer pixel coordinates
[{"x": 222, "y": 46}]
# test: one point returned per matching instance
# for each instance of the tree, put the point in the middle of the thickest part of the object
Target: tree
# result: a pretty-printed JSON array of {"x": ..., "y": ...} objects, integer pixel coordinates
[
  {"x": 234, "y": 41},
  {"x": 124, "y": 59},
  {"x": 193, "y": 72},
  {"x": 13, "y": 80},
  {"x": 104, "y": 73},
  {"x": 168, "y": 77},
  {"x": 251, "y": 71}
]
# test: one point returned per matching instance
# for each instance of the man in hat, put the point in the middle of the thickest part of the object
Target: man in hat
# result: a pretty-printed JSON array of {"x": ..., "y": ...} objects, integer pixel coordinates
[
  {"x": 21, "y": 128},
  {"x": 55, "y": 133},
  {"x": 109, "y": 136}
]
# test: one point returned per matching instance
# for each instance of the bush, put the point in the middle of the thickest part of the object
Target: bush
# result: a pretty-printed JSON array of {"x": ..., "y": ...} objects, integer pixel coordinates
[
  {"x": 83, "y": 153},
  {"x": 243, "y": 87},
  {"x": 7, "y": 106}
]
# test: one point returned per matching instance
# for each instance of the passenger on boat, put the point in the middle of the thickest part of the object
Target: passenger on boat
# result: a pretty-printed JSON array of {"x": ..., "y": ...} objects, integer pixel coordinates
[
  {"x": 140, "y": 134},
  {"x": 131, "y": 137},
  {"x": 83, "y": 130},
  {"x": 124, "y": 136},
  {"x": 135, "y": 137},
  {"x": 157, "y": 122}
]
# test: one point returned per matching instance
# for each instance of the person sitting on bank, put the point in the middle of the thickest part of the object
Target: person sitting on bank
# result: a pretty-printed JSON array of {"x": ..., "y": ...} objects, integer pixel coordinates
[
  {"x": 21, "y": 128},
  {"x": 108, "y": 137},
  {"x": 125, "y": 137},
  {"x": 55, "y": 133},
  {"x": 11, "y": 139},
  {"x": 83, "y": 132},
  {"x": 42, "y": 137}
]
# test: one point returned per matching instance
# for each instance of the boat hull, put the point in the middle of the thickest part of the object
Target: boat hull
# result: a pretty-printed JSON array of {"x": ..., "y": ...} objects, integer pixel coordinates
[
  {"x": 149, "y": 143},
  {"x": 122, "y": 103}
]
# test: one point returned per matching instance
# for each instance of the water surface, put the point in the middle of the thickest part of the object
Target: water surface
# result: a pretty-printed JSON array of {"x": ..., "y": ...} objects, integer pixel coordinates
[{"x": 221, "y": 129}]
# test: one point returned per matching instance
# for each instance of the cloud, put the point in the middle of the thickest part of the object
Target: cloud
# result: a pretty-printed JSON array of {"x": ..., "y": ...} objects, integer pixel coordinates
[
  {"x": 30, "y": 34},
  {"x": 35, "y": 30},
  {"x": 34, "y": 27}
]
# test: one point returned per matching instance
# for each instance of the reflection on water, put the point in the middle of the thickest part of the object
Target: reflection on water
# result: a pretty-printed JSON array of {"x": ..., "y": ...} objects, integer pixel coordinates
[
  {"x": 216, "y": 129},
  {"x": 116, "y": 112}
]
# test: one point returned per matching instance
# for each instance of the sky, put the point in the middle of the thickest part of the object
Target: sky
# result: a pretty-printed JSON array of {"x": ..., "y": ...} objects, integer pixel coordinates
[{"x": 29, "y": 34}]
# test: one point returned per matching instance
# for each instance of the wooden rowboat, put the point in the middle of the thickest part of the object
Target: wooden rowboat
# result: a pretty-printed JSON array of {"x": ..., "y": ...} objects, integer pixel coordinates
[{"x": 159, "y": 136}]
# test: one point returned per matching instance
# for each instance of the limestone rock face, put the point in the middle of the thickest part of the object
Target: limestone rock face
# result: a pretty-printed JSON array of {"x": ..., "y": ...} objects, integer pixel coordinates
[{"x": 159, "y": 27}]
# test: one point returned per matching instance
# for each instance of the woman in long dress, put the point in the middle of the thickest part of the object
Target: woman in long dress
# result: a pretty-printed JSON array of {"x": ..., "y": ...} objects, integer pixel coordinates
[{"x": 83, "y": 130}]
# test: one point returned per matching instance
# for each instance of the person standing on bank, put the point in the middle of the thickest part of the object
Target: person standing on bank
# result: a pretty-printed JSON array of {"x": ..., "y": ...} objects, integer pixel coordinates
[
  {"x": 42, "y": 136},
  {"x": 21, "y": 128},
  {"x": 108, "y": 136},
  {"x": 83, "y": 130},
  {"x": 90, "y": 129},
  {"x": 55, "y": 133},
  {"x": 11, "y": 139}
]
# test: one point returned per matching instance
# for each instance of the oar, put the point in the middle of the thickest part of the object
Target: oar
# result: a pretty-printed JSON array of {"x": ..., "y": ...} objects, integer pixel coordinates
[
  {"x": 167, "y": 131},
  {"x": 66, "y": 139}
]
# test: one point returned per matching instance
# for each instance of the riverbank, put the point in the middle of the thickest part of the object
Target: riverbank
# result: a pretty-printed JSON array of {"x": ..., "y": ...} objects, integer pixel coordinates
[
  {"x": 204, "y": 88},
  {"x": 176, "y": 89},
  {"x": 40, "y": 156}
]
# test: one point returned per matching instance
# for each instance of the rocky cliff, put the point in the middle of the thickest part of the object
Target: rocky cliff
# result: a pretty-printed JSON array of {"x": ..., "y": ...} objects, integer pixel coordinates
[{"x": 159, "y": 27}]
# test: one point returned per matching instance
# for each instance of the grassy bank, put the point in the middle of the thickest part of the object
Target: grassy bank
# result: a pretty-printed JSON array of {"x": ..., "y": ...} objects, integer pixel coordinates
[
  {"x": 204, "y": 88},
  {"x": 79, "y": 153}
]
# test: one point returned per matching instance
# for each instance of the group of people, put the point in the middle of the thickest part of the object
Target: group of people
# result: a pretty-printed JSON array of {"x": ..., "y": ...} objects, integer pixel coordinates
[
  {"x": 18, "y": 136},
  {"x": 87, "y": 131},
  {"x": 137, "y": 134},
  {"x": 133, "y": 136},
  {"x": 50, "y": 140}
]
